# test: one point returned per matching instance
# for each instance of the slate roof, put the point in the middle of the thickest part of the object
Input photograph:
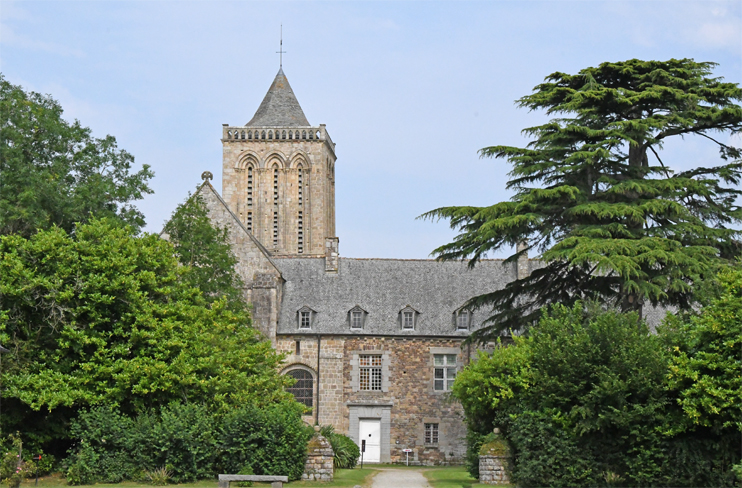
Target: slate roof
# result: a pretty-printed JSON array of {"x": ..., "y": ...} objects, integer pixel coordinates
[
  {"x": 279, "y": 108},
  {"x": 383, "y": 287}
]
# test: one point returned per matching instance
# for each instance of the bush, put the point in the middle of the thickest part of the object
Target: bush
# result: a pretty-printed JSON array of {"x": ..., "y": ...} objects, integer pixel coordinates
[
  {"x": 186, "y": 443},
  {"x": 271, "y": 441},
  {"x": 346, "y": 451},
  {"x": 547, "y": 455},
  {"x": 13, "y": 468},
  {"x": 592, "y": 397},
  {"x": 113, "y": 447}
]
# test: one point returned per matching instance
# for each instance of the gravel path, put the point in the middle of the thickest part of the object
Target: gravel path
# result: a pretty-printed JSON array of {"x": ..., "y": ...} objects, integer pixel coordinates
[{"x": 399, "y": 478}]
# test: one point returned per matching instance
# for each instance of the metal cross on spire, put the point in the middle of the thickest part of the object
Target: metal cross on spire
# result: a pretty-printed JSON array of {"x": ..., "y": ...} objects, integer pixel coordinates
[{"x": 280, "y": 51}]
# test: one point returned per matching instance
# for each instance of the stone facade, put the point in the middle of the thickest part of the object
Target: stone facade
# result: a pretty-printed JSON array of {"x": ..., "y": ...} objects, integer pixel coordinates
[
  {"x": 259, "y": 273},
  {"x": 408, "y": 402},
  {"x": 286, "y": 186},
  {"x": 319, "y": 465}
]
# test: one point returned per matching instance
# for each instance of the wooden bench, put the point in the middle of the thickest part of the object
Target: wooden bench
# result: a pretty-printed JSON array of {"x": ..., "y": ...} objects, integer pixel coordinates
[{"x": 275, "y": 481}]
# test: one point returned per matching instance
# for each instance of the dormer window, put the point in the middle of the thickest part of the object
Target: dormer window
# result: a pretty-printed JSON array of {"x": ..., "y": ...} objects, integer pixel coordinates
[
  {"x": 305, "y": 317},
  {"x": 356, "y": 318},
  {"x": 407, "y": 318},
  {"x": 463, "y": 320}
]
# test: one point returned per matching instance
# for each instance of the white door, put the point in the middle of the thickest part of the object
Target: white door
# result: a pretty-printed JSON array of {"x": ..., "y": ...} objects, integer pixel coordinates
[{"x": 370, "y": 431}]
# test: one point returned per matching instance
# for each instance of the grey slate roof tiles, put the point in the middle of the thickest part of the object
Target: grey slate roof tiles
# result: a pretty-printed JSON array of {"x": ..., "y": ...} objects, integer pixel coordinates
[
  {"x": 382, "y": 288},
  {"x": 279, "y": 108}
]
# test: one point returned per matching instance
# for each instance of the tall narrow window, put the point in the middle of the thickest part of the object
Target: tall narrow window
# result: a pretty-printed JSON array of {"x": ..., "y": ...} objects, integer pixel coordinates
[
  {"x": 275, "y": 206},
  {"x": 445, "y": 371},
  {"x": 249, "y": 186},
  {"x": 301, "y": 187},
  {"x": 249, "y": 221},
  {"x": 300, "y": 224},
  {"x": 370, "y": 372}
]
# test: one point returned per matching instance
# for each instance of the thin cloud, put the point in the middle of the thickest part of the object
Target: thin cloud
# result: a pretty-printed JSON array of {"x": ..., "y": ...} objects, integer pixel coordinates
[
  {"x": 720, "y": 35},
  {"x": 11, "y": 39}
]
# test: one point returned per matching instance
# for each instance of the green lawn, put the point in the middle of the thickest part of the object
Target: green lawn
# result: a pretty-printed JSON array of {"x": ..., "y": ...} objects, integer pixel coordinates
[
  {"x": 343, "y": 478},
  {"x": 450, "y": 477},
  {"x": 439, "y": 477}
]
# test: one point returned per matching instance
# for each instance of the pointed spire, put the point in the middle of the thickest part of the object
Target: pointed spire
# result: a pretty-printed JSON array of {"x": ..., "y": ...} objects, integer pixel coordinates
[{"x": 279, "y": 108}]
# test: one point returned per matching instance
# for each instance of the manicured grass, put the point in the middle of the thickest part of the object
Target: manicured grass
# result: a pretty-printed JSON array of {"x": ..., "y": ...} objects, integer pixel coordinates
[
  {"x": 438, "y": 477},
  {"x": 450, "y": 477},
  {"x": 343, "y": 478}
]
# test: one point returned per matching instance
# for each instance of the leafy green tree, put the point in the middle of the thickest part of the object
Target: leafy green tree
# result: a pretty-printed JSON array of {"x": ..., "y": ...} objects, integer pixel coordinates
[
  {"x": 611, "y": 220},
  {"x": 706, "y": 367},
  {"x": 206, "y": 251},
  {"x": 101, "y": 317},
  {"x": 55, "y": 173},
  {"x": 586, "y": 394}
]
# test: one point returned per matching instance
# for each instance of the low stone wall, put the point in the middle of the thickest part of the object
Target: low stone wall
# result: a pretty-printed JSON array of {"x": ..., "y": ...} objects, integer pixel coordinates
[
  {"x": 319, "y": 465},
  {"x": 494, "y": 462}
]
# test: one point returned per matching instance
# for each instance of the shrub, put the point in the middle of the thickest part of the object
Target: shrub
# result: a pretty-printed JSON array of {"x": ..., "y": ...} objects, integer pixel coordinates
[
  {"x": 114, "y": 447},
  {"x": 14, "y": 467},
  {"x": 547, "y": 455},
  {"x": 158, "y": 476},
  {"x": 346, "y": 451},
  {"x": 271, "y": 441}
]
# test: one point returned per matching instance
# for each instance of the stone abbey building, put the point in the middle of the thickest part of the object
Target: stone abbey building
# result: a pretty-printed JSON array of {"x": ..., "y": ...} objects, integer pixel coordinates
[{"x": 373, "y": 343}]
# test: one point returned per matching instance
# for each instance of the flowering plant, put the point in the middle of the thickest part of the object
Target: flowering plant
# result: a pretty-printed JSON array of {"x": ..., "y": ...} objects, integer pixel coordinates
[{"x": 12, "y": 466}]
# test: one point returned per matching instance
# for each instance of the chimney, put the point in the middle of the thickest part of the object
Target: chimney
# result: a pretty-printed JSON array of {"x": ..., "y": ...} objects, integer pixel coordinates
[
  {"x": 522, "y": 267},
  {"x": 331, "y": 254}
]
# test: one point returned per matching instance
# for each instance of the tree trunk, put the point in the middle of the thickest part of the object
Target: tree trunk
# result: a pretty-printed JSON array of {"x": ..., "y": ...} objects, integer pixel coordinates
[{"x": 631, "y": 302}]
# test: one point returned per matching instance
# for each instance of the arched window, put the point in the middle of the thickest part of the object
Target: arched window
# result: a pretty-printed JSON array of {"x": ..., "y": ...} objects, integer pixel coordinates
[
  {"x": 303, "y": 134},
  {"x": 303, "y": 389},
  {"x": 300, "y": 219},
  {"x": 296, "y": 135},
  {"x": 270, "y": 134},
  {"x": 262, "y": 135},
  {"x": 283, "y": 135},
  {"x": 275, "y": 206},
  {"x": 249, "y": 186},
  {"x": 243, "y": 134}
]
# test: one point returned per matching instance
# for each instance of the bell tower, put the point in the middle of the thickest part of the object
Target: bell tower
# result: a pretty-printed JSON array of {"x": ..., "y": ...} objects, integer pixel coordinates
[{"x": 279, "y": 175}]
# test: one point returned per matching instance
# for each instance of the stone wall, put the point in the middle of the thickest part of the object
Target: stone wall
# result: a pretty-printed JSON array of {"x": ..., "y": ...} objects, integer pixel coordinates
[
  {"x": 317, "y": 161},
  {"x": 331, "y": 374},
  {"x": 409, "y": 399},
  {"x": 319, "y": 465},
  {"x": 494, "y": 462},
  {"x": 408, "y": 403},
  {"x": 262, "y": 279}
]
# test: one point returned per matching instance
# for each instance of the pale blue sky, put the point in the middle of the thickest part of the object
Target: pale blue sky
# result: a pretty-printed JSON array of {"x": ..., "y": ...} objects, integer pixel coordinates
[{"x": 409, "y": 90}]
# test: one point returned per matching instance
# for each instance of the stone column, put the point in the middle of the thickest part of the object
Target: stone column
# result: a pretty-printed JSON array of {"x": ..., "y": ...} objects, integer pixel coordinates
[
  {"x": 494, "y": 461},
  {"x": 320, "y": 459}
]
